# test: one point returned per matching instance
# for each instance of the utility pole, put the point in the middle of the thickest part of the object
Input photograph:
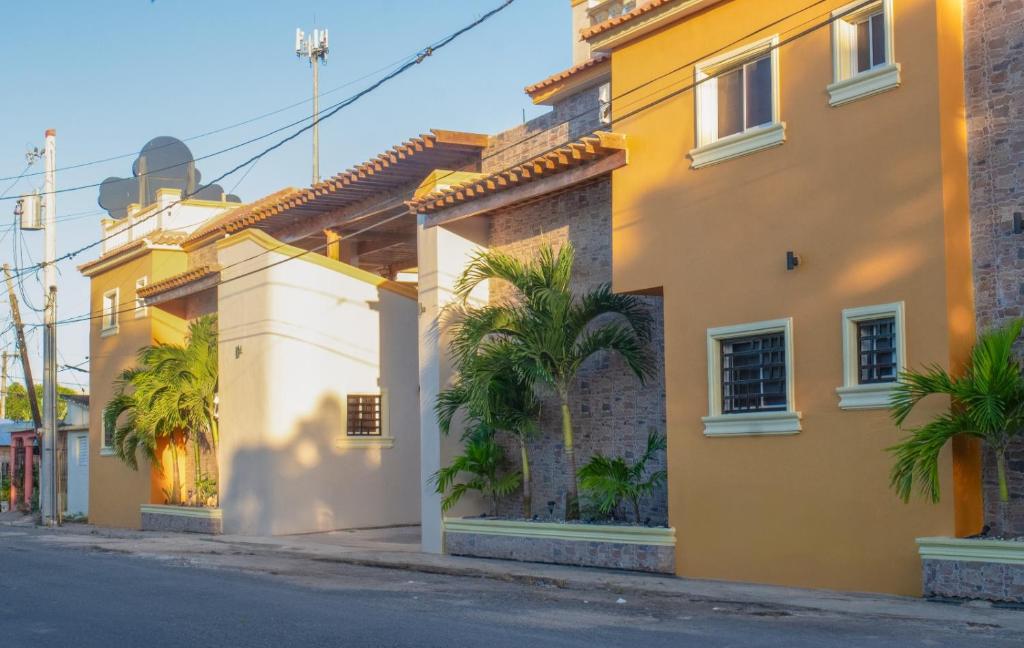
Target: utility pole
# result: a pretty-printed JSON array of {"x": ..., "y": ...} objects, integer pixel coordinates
[
  {"x": 26, "y": 367},
  {"x": 3, "y": 385},
  {"x": 48, "y": 468},
  {"x": 315, "y": 48}
]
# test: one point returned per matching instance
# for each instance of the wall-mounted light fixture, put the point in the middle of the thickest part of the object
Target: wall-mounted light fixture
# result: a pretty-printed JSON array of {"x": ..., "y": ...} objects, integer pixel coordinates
[
  {"x": 1018, "y": 223},
  {"x": 792, "y": 260}
]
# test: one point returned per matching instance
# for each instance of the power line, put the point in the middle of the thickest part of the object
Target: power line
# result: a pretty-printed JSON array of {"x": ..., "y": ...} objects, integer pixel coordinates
[
  {"x": 571, "y": 117},
  {"x": 419, "y": 58},
  {"x": 222, "y": 128},
  {"x": 423, "y": 55},
  {"x": 647, "y": 106}
]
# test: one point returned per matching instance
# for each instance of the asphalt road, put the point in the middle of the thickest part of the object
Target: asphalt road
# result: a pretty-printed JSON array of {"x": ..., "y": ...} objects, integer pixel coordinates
[{"x": 60, "y": 596}]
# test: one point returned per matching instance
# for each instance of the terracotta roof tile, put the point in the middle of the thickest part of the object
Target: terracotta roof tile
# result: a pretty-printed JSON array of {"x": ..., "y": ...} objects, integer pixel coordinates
[
  {"x": 397, "y": 166},
  {"x": 220, "y": 223},
  {"x": 566, "y": 74},
  {"x": 611, "y": 23},
  {"x": 178, "y": 280},
  {"x": 588, "y": 149}
]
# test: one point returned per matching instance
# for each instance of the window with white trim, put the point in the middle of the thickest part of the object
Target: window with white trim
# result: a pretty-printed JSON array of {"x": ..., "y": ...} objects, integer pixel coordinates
[
  {"x": 108, "y": 321},
  {"x": 604, "y": 103},
  {"x": 862, "y": 51},
  {"x": 107, "y": 442},
  {"x": 737, "y": 103},
  {"x": 141, "y": 310},
  {"x": 750, "y": 379},
  {"x": 874, "y": 353}
]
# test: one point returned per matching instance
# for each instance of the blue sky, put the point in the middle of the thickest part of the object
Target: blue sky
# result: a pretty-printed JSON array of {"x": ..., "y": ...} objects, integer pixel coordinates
[{"x": 110, "y": 75}]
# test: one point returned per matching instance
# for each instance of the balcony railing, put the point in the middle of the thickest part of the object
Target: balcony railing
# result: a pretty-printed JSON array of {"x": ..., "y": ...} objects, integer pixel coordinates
[{"x": 602, "y": 10}]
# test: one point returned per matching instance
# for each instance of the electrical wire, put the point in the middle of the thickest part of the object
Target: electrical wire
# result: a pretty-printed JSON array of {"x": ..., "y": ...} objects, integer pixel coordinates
[
  {"x": 618, "y": 97},
  {"x": 423, "y": 55},
  {"x": 647, "y": 106}
]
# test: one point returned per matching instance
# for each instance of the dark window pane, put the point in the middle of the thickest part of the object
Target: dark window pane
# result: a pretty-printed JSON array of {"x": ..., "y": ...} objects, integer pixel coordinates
[
  {"x": 730, "y": 102},
  {"x": 364, "y": 415},
  {"x": 754, "y": 374},
  {"x": 759, "y": 92},
  {"x": 878, "y": 40},
  {"x": 863, "y": 45},
  {"x": 876, "y": 350}
]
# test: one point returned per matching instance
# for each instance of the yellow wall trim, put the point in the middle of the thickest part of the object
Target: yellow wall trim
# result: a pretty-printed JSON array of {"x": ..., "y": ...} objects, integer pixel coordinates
[
  {"x": 608, "y": 39},
  {"x": 269, "y": 243}
]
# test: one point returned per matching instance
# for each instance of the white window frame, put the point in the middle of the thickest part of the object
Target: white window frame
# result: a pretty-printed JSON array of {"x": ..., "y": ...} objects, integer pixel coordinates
[
  {"x": 141, "y": 310},
  {"x": 106, "y": 450},
  {"x": 847, "y": 83},
  {"x": 604, "y": 103},
  {"x": 111, "y": 327},
  {"x": 853, "y": 395},
  {"x": 385, "y": 440},
  {"x": 749, "y": 423},
  {"x": 712, "y": 149}
]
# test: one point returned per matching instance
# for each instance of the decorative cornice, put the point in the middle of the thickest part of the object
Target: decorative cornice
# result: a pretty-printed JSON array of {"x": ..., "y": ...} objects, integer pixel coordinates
[
  {"x": 182, "y": 511},
  {"x": 620, "y": 534},
  {"x": 972, "y": 550},
  {"x": 269, "y": 243}
]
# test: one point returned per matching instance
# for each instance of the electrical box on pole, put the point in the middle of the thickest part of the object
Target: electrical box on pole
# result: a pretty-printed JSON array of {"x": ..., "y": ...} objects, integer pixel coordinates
[{"x": 29, "y": 209}]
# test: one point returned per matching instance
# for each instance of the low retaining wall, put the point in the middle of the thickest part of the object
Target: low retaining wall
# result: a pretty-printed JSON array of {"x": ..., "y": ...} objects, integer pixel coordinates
[
  {"x": 632, "y": 548},
  {"x": 182, "y": 519},
  {"x": 991, "y": 570}
]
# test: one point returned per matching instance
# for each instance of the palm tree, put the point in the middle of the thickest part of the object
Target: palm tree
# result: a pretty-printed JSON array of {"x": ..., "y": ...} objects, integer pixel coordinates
[
  {"x": 483, "y": 459},
  {"x": 494, "y": 394},
  {"x": 551, "y": 332},
  {"x": 168, "y": 396},
  {"x": 987, "y": 402},
  {"x": 609, "y": 480}
]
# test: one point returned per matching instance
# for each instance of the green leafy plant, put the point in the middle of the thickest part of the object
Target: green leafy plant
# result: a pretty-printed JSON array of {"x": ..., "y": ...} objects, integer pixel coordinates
[
  {"x": 987, "y": 402},
  {"x": 20, "y": 409},
  {"x": 483, "y": 465},
  {"x": 495, "y": 395},
  {"x": 206, "y": 487},
  {"x": 550, "y": 331},
  {"x": 608, "y": 481},
  {"x": 168, "y": 396}
]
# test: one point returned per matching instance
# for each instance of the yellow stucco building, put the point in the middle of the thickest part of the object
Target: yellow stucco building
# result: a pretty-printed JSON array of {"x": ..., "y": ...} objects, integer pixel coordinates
[
  {"x": 139, "y": 250},
  {"x": 797, "y": 192}
]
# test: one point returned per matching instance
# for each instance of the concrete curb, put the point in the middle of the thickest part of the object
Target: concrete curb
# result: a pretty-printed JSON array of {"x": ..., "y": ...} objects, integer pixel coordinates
[{"x": 750, "y": 597}]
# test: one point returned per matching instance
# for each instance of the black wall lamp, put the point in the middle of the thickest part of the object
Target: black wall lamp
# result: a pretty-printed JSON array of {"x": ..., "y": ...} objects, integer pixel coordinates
[
  {"x": 792, "y": 260},
  {"x": 1018, "y": 223}
]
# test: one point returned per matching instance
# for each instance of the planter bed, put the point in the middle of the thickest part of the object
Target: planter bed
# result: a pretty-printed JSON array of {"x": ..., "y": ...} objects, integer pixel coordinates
[
  {"x": 635, "y": 548},
  {"x": 976, "y": 568},
  {"x": 186, "y": 519}
]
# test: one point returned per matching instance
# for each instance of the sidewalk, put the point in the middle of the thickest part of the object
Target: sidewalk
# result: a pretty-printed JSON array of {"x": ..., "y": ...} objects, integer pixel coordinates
[{"x": 398, "y": 549}]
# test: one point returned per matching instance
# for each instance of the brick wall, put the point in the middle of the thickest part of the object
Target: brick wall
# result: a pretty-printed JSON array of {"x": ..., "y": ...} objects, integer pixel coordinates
[
  {"x": 580, "y": 114},
  {"x": 994, "y": 35},
  {"x": 612, "y": 412}
]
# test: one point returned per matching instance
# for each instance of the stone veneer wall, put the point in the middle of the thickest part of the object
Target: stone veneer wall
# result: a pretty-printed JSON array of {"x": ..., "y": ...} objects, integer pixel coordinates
[
  {"x": 609, "y": 555},
  {"x": 580, "y": 114},
  {"x": 612, "y": 412},
  {"x": 962, "y": 579},
  {"x": 994, "y": 40}
]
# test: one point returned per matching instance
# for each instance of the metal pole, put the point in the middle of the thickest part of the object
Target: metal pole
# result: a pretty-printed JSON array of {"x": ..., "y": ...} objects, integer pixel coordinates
[
  {"x": 48, "y": 467},
  {"x": 3, "y": 386},
  {"x": 314, "y": 59}
]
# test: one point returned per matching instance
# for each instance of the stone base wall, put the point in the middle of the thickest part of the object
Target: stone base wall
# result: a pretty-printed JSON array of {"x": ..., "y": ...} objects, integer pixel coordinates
[
  {"x": 963, "y": 579},
  {"x": 612, "y": 411},
  {"x": 609, "y": 555},
  {"x": 994, "y": 70},
  {"x": 176, "y": 523}
]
